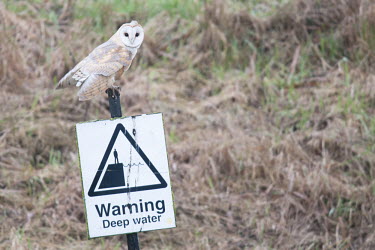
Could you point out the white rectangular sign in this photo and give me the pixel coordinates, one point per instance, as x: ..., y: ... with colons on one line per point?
x: 125, y: 175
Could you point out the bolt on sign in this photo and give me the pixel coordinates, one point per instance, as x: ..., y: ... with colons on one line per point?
x: 125, y: 175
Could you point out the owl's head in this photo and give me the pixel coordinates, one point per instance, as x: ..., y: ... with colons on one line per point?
x: 131, y: 34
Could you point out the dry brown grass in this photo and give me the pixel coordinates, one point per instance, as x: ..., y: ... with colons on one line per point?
x: 270, y: 144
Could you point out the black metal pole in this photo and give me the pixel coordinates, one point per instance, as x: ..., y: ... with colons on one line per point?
x: 115, y: 109
x: 114, y: 103
x: 133, y: 243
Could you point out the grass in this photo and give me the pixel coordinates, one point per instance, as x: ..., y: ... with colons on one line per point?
x: 99, y: 10
x: 268, y: 111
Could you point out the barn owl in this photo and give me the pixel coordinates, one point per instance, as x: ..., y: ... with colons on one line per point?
x: 106, y: 63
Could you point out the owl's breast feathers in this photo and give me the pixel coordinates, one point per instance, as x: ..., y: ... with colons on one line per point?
x: 109, y: 59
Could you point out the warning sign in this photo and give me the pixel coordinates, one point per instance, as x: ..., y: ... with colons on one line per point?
x: 111, y: 176
x: 125, y: 175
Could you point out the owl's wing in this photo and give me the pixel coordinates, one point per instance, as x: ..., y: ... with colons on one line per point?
x: 105, y: 60
x: 68, y: 79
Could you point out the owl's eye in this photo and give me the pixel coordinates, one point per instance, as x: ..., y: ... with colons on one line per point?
x: 126, y: 34
x: 136, y: 34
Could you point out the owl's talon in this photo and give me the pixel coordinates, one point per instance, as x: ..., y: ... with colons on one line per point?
x: 118, y: 88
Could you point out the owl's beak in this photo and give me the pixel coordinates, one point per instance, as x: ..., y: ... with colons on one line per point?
x: 132, y: 40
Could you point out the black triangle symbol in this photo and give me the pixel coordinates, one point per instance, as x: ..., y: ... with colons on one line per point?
x: 92, y: 191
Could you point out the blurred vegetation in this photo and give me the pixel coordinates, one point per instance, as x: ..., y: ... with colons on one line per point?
x: 268, y: 107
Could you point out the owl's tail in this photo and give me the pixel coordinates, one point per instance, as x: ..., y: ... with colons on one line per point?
x: 66, y: 81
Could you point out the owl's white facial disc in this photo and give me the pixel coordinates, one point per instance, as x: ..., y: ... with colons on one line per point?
x: 131, y: 34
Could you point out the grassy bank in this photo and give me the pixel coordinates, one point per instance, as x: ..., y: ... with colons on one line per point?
x: 268, y: 108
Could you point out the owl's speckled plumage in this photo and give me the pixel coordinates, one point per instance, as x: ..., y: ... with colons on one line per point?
x: 106, y: 63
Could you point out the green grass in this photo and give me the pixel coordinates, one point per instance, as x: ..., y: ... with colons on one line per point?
x: 344, y: 207
x: 173, y: 137
x: 367, y: 33
x: 54, y: 157
x: 99, y: 11
x: 20, y: 7
x: 331, y: 48
x: 258, y: 8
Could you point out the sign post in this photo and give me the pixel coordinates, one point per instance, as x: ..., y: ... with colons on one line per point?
x: 125, y: 174
x: 114, y: 103
x: 115, y: 110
